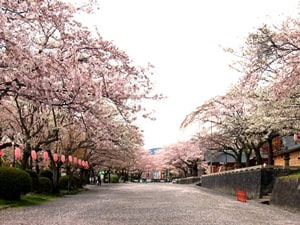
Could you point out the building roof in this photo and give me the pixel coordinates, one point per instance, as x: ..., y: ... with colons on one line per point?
x: 222, y: 157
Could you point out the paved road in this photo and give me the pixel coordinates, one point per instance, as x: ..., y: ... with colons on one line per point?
x: 149, y: 204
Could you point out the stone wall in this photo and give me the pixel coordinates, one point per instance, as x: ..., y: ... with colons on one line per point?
x: 228, y: 183
x: 257, y: 180
x: 188, y: 180
x: 286, y: 193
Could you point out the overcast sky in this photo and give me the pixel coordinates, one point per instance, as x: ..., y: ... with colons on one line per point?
x: 184, y: 40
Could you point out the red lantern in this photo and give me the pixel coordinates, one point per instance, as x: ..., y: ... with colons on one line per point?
x: 75, y: 160
x: 46, y: 156
x: 79, y: 162
x: 62, y: 158
x: 55, y: 157
x: 1, y: 152
x: 70, y: 159
x: 295, y: 137
x: 33, y: 155
x: 87, y: 164
x: 83, y: 163
x: 18, y: 153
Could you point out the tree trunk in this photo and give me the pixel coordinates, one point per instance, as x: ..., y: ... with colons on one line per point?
x: 37, y: 168
x: 248, y: 153
x: 183, y: 170
x: 238, y: 163
x: 194, y: 169
x: 70, y: 176
x: 25, y: 158
x: 55, y: 171
x: 270, y: 153
x: 258, y: 156
x: 247, y: 160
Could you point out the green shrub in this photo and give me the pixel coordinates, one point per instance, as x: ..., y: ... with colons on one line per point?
x: 293, y: 175
x: 46, y: 173
x: 63, y: 182
x: 76, y: 181
x: 4, y: 164
x: 35, y: 179
x: 14, y: 182
x: 83, y: 180
x: 114, y: 178
x: 45, y: 185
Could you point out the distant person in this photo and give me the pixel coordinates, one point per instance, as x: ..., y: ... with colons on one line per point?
x: 98, y: 180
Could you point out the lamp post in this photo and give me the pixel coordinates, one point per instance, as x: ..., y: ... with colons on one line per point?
x: 210, y: 165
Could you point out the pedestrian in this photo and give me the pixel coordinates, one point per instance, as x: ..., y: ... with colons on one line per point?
x: 98, y: 180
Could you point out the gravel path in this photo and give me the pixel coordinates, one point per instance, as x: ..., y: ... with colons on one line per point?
x: 149, y: 204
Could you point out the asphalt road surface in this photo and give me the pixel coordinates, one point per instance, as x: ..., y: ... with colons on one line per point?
x: 149, y: 204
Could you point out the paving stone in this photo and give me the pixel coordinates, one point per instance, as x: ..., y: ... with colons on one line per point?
x: 149, y: 204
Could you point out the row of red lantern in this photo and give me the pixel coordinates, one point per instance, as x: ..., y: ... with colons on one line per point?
x: 55, y: 156
x: 74, y: 160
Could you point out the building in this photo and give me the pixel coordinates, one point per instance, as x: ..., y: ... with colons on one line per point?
x: 288, y: 154
x: 221, y: 161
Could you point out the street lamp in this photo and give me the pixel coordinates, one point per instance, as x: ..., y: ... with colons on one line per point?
x: 211, y: 162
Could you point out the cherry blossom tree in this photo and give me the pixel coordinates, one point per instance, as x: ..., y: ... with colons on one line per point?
x: 271, y: 56
x: 28, y: 125
x: 117, y: 149
x: 49, y: 57
x: 183, y: 156
x: 270, y: 63
x: 143, y: 162
x: 264, y: 104
x: 52, y: 65
x: 223, y: 121
x: 243, y: 120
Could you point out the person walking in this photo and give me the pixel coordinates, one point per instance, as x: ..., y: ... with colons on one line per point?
x: 99, y: 179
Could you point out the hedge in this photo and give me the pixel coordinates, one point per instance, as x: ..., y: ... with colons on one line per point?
x: 14, y: 182
x: 63, y: 182
x: 35, y: 179
x: 114, y: 178
x: 46, y: 173
x: 45, y: 185
x: 75, y: 182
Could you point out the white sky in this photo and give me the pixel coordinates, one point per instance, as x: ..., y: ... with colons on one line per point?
x: 183, y: 39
